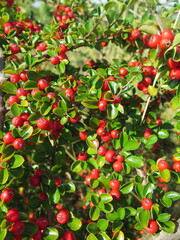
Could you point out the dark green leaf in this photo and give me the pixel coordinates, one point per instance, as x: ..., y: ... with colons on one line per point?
x: 8, y: 87
x: 134, y: 161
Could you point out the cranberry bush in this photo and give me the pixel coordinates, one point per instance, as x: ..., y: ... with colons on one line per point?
x: 89, y: 150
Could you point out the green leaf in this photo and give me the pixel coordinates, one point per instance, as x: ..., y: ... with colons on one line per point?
x: 121, y: 213
x: 15, y: 109
x: 166, y: 201
x: 131, y: 145
x: 45, y: 108
x: 139, y: 190
x: 4, y: 175
x: 92, y: 228
x: 110, y: 5
x: 94, y: 213
x: 103, y: 236
x: 134, y: 161
x: 127, y: 188
x: 117, y: 225
x: 175, y: 103
x: 103, y: 224
x: 176, y: 40
x: 28, y: 59
x: 62, y: 67
x: 74, y: 224
x: 163, y: 133
x: 112, y: 111
x: 30, y: 228
x: 8, y: 87
x: 16, y: 161
x: 119, y: 236
x: 91, y: 237
x: 166, y: 175
x: 29, y: 85
x: 50, y: 233
x: 69, y: 187
x: 152, y: 91
x: 7, y: 153
x: 34, y: 202
x: 164, y: 217
x: 149, y: 188
x: 91, y: 104
x: 26, y: 132
x: 105, y: 182
x: 152, y: 139
x: 105, y: 198
x: 149, y: 29
x: 3, y: 233
x: 173, y: 195
x: 144, y: 216
x: 168, y: 227
x: 112, y: 216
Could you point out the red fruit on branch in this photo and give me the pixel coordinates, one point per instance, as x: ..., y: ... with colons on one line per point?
x: 152, y: 227
x: 62, y: 216
x: 19, y: 144
x: 147, y: 203
x: 18, y: 228
x: 7, y: 195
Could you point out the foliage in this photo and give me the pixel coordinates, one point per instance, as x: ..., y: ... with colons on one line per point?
x: 84, y: 141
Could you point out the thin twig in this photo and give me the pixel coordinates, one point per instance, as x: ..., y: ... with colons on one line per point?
x: 95, y: 26
x: 2, y: 79
x: 177, y: 18
x: 70, y: 155
x: 149, y: 98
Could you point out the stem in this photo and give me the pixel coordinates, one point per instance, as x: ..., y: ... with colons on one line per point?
x: 158, y: 21
x: 136, y: 197
x: 2, y: 79
x: 70, y: 155
x: 149, y: 98
x: 177, y: 18
x: 95, y: 25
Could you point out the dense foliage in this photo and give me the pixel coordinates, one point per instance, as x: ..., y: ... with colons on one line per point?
x: 89, y: 149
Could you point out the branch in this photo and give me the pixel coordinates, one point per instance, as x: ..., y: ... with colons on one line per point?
x: 149, y: 98
x: 165, y: 236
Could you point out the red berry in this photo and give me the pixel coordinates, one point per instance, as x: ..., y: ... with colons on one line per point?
x: 21, y: 92
x: 100, y: 131
x: 83, y: 135
x: 114, y: 134
x: 42, y: 196
x: 34, y: 181
x: 102, y: 150
x: 82, y: 156
x: 175, y: 74
x: 165, y: 43
x: 90, y: 63
x: 162, y: 165
x: 42, y: 223
x: 15, y: 78
x: 69, y: 235
x: 69, y: 93
x: 23, y: 76
x: 172, y: 64
x: 19, y: 143
x: 147, y: 133
x: 43, y: 84
x: 123, y: 71
x: 119, y: 158
x: 167, y: 34
x: 176, y: 166
x: 117, y: 166
x: 102, y: 105
x: 63, y: 48
x: 8, y: 138
x: 17, y: 121
x: 55, y: 60
x: 17, y: 228
x: 95, y: 173
x: 147, y: 203
x: 115, y: 194
x: 12, y: 215
x: 88, y: 179
x: 51, y: 95
x: 42, y: 47
x: 14, y: 48
x: 110, y: 156
x: 101, y: 191
x: 115, y: 184
x: 106, y: 137
x: 154, y: 41
x: 42, y: 123
x: 135, y: 33
x: 147, y: 81
x: 12, y: 100
x: 152, y: 227
x: 75, y: 119
x: 63, y: 216
x: 37, y: 235
x: 7, y: 195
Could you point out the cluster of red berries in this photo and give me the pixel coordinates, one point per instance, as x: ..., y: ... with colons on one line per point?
x: 63, y: 15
